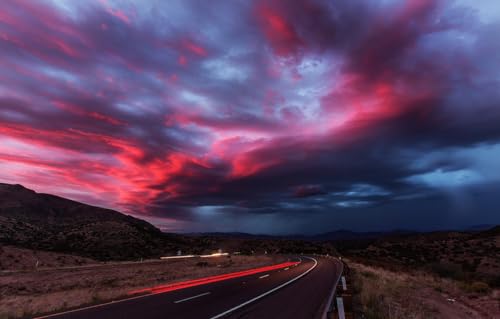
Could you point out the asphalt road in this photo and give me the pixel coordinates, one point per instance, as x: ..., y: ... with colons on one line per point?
x: 300, y: 291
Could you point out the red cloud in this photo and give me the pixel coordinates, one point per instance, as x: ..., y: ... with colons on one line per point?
x: 279, y: 32
x: 194, y: 48
x: 115, y: 13
x: 82, y: 112
x: 182, y: 60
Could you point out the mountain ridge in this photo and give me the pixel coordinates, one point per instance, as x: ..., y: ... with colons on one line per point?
x: 48, y: 222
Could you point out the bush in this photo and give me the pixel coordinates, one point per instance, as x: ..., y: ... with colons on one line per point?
x: 494, y: 281
x: 469, y: 266
x: 477, y: 287
x: 369, y: 274
x: 96, y: 298
x: 375, y: 307
x: 453, y: 271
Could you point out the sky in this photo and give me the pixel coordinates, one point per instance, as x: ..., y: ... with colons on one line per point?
x: 264, y: 116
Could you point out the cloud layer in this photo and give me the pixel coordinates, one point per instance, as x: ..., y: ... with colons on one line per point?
x: 260, y: 116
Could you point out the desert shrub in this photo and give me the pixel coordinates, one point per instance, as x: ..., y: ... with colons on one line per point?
x: 369, y: 274
x: 477, y: 287
x: 95, y: 298
x: 469, y: 266
x: 453, y: 271
x: 438, y: 289
x: 111, y: 282
x: 375, y: 307
x: 494, y: 281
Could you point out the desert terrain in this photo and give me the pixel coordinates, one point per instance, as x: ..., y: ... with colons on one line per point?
x: 63, y: 282
x: 57, y: 254
x: 434, y: 275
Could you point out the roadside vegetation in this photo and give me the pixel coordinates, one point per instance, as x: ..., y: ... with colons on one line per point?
x: 380, y: 293
x: 465, y: 257
x: 433, y: 275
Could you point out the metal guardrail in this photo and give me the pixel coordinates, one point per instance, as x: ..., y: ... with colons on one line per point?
x: 329, y: 305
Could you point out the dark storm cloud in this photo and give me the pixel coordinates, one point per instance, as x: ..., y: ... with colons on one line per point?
x: 244, y: 114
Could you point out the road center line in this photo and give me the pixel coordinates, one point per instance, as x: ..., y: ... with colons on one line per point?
x: 268, y: 292
x: 121, y: 300
x: 264, y: 276
x: 193, y: 297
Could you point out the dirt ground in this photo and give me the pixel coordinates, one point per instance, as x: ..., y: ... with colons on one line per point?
x: 29, y: 292
x: 15, y: 259
x: 388, y: 294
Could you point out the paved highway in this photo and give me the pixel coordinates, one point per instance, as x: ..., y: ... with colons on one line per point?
x: 300, y: 291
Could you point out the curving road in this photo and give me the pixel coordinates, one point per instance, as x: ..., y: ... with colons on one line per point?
x: 301, y: 291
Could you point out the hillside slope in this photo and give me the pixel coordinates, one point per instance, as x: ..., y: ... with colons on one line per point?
x: 46, y: 222
x: 466, y: 256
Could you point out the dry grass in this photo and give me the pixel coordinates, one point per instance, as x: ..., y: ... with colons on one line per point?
x: 15, y: 258
x: 23, y: 294
x: 460, y: 256
x: 381, y: 293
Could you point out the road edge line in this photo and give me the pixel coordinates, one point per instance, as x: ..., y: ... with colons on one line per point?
x: 193, y: 297
x: 108, y: 303
x: 332, y: 293
x: 93, y: 306
x: 267, y: 292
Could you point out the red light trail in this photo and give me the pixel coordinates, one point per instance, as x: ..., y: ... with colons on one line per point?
x: 211, y: 279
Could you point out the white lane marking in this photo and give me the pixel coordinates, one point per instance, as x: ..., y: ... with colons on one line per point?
x: 267, y: 292
x: 264, y: 276
x: 95, y: 306
x: 286, y: 268
x: 340, y: 307
x: 193, y: 297
x: 91, y: 307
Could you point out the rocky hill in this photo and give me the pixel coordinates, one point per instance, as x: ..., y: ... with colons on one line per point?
x: 46, y: 222
x: 464, y: 256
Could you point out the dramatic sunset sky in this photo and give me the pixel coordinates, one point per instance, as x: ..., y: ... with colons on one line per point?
x: 298, y: 116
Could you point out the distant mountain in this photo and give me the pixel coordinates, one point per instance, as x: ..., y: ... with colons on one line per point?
x: 493, y: 231
x: 330, y: 236
x: 351, y: 235
x: 234, y: 235
x: 480, y: 227
x: 46, y: 222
